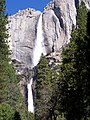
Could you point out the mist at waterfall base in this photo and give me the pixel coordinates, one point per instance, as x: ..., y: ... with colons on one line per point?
x: 38, y: 50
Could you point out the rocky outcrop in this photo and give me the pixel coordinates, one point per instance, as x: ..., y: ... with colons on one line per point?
x: 58, y: 18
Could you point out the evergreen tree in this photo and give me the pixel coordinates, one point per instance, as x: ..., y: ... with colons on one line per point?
x: 43, y: 90
x: 6, y: 112
x: 46, y: 101
x: 4, y: 52
x: 74, y: 84
x: 54, y: 108
x: 9, y: 91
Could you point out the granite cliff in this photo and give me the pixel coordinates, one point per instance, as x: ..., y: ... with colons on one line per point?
x: 57, y: 20
x: 58, y: 17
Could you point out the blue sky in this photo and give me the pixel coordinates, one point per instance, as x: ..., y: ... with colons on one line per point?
x: 12, y: 6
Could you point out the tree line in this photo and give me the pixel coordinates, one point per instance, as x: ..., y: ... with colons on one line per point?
x: 12, y: 106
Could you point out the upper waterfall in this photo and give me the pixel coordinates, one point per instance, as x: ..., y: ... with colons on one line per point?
x: 38, y: 48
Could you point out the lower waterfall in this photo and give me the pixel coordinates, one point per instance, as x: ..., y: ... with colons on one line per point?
x: 30, y: 97
x: 38, y: 50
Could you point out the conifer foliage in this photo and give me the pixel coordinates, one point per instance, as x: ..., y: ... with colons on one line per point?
x: 4, y: 52
x: 46, y: 91
x: 12, y: 105
x: 75, y: 71
x: 43, y: 90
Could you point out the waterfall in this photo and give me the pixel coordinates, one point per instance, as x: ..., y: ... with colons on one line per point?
x: 30, y: 97
x: 38, y: 50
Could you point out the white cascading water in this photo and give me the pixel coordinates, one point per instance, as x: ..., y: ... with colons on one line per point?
x: 30, y: 97
x: 38, y: 50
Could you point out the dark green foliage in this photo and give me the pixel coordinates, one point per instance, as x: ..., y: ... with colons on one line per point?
x: 9, y: 91
x: 30, y: 116
x: 88, y: 23
x: 68, y: 82
x: 17, y: 116
x: 75, y: 76
x: 82, y: 18
x: 43, y: 90
x: 6, y: 112
x: 53, y: 111
x: 46, y: 101
x: 4, y: 52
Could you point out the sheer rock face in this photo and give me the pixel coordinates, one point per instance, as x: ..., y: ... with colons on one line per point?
x: 22, y: 31
x: 58, y: 18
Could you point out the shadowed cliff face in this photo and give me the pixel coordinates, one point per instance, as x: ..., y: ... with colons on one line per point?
x: 22, y: 31
x: 58, y: 18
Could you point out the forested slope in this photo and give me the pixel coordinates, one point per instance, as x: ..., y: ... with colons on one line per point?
x: 12, y: 106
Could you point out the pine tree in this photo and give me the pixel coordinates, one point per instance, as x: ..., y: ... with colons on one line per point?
x: 9, y: 90
x: 54, y: 108
x: 68, y: 79
x: 43, y: 90
x: 4, y: 51
x: 74, y: 85
x: 46, y: 101
x: 6, y: 112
